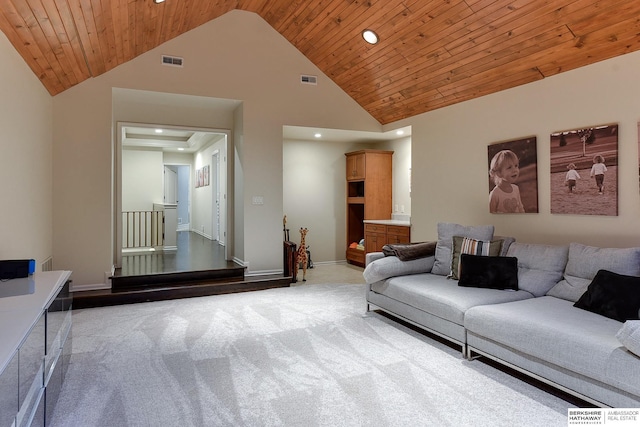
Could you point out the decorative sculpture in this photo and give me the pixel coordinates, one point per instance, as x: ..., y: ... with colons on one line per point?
x: 302, y: 255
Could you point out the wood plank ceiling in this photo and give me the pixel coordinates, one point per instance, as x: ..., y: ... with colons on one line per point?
x: 432, y: 53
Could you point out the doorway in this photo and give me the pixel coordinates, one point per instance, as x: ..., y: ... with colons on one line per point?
x: 177, y: 190
x: 215, y: 196
x: 159, y: 164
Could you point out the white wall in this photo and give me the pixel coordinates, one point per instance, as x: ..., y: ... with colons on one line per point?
x: 449, y: 154
x: 202, y: 212
x: 26, y: 168
x: 314, y: 196
x: 314, y: 191
x: 237, y: 56
x: 401, y: 172
x: 142, y: 177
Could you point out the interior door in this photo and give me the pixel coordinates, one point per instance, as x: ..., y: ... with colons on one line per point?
x: 170, y: 186
x: 215, y: 165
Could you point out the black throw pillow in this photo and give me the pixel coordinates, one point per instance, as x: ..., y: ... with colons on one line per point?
x: 493, y: 272
x: 613, y: 295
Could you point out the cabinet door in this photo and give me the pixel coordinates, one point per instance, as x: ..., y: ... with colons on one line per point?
x: 398, y: 234
x: 356, y: 167
x: 373, y: 242
x: 375, y: 237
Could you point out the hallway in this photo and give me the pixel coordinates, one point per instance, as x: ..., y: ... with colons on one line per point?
x: 194, y: 253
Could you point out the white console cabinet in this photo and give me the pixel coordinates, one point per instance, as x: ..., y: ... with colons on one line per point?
x: 35, y: 346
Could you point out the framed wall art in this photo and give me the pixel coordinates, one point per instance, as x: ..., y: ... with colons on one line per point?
x: 584, y: 171
x: 202, y: 176
x: 513, y: 176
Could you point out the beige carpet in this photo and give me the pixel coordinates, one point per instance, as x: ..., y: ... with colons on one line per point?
x: 306, y: 355
x: 332, y: 273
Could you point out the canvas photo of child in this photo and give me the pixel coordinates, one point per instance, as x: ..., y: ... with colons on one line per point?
x: 584, y: 165
x: 513, y: 176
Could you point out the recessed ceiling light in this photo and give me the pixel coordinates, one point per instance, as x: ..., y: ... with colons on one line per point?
x: 370, y: 36
x: 158, y: 1
x: 318, y: 135
x: 400, y: 132
x: 158, y: 130
x: 180, y: 149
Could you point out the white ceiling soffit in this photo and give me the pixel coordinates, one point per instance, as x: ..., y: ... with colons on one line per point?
x: 182, y: 140
x: 300, y: 133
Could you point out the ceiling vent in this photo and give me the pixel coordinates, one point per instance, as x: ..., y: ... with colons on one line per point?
x: 308, y: 80
x: 173, y: 61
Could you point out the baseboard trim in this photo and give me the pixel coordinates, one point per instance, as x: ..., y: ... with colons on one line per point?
x: 264, y: 273
x: 337, y: 262
x: 202, y: 234
x: 88, y: 287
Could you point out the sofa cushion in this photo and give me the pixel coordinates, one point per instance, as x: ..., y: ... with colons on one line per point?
x: 391, y: 266
x: 446, y: 231
x: 540, y: 267
x: 492, y: 272
x: 612, y: 295
x: 585, y: 261
x: 629, y: 336
x: 440, y: 296
x: 552, y: 330
x: 465, y: 245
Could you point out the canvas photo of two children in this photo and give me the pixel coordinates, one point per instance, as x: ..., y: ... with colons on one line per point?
x: 584, y: 171
x: 583, y: 163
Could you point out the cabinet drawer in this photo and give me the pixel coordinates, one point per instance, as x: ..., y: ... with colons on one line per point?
x: 394, y: 239
x: 375, y: 228
x: 398, y: 230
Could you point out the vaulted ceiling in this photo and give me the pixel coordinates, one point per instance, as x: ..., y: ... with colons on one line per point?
x: 432, y: 53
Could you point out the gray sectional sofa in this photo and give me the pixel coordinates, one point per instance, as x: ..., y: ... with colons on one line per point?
x: 535, y: 329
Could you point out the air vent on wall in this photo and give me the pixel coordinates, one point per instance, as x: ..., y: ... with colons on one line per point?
x: 308, y: 80
x: 174, y: 61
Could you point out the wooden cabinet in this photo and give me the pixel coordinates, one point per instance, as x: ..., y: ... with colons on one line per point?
x: 378, y: 235
x: 398, y: 234
x: 355, y: 166
x: 369, y: 195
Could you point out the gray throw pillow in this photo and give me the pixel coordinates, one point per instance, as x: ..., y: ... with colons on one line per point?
x: 584, y: 263
x: 540, y: 267
x: 446, y: 231
x: 629, y: 336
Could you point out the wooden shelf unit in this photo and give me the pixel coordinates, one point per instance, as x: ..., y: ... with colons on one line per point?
x: 369, y: 195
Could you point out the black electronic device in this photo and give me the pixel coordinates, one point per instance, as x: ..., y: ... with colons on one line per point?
x: 17, y: 268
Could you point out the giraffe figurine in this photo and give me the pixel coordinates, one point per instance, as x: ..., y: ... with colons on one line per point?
x: 302, y: 255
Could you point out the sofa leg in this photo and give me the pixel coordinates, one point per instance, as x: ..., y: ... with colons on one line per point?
x: 367, y: 311
x: 469, y: 356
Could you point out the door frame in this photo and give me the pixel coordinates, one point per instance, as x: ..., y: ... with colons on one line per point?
x: 117, y: 187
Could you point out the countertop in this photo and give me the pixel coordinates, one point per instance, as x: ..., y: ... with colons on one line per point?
x: 388, y: 222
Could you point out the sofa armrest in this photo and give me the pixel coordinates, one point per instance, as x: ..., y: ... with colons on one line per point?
x: 372, y: 256
x: 390, y: 266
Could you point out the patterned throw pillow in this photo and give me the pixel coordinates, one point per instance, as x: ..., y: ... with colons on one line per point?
x: 446, y: 231
x: 466, y: 245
